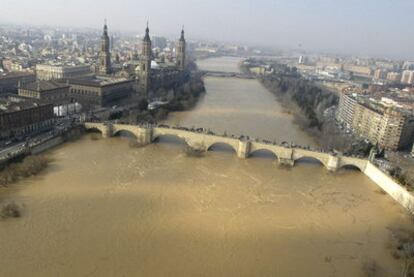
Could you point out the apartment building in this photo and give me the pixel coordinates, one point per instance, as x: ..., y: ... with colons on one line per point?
x: 389, y: 126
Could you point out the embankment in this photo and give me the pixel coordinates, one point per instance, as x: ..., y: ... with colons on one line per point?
x: 390, y: 186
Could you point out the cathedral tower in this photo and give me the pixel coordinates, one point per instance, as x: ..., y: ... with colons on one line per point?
x: 181, y: 52
x: 145, y: 65
x: 104, y: 54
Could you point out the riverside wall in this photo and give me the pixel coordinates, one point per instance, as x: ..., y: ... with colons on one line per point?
x: 53, y: 142
x: 390, y: 186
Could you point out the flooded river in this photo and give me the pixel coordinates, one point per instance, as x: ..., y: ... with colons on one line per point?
x: 105, y: 209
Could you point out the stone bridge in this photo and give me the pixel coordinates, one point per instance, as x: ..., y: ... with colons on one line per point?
x: 243, y: 148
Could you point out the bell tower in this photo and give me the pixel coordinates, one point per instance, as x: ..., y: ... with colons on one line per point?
x: 104, y: 54
x: 145, y: 64
x: 181, y: 52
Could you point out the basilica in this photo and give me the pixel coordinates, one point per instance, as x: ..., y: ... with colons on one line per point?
x: 147, y: 74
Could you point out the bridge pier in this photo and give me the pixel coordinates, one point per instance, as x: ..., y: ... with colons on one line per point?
x: 243, y: 150
x: 333, y: 163
x: 199, y: 146
x: 286, y: 157
x: 286, y: 162
x: 107, y: 131
x: 145, y: 136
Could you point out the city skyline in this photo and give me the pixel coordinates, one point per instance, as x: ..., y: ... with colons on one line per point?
x: 355, y: 28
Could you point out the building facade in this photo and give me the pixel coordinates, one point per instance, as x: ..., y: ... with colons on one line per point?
x: 389, y: 127
x: 346, y: 109
x: 408, y: 77
x: 20, y: 117
x: 394, y: 77
x: 46, y: 92
x: 396, y: 129
x: 9, y: 82
x: 99, y: 91
x: 46, y: 72
x: 380, y: 74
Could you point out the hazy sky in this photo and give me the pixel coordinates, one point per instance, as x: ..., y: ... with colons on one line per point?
x: 364, y: 27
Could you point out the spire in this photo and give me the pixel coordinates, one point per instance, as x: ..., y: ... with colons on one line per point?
x: 180, y: 61
x: 147, y: 36
x: 105, y: 27
x: 182, y: 34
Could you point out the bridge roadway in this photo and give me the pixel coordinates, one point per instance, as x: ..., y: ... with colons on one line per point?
x: 243, y: 148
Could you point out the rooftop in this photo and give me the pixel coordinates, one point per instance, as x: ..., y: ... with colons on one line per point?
x: 43, y: 86
x: 98, y: 81
x: 12, y: 103
x: 380, y: 101
x: 15, y: 75
x: 61, y: 64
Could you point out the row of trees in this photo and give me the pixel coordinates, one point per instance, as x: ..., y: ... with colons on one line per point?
x: 312, y: 100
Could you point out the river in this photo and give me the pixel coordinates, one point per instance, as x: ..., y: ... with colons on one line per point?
x: 105, y: 209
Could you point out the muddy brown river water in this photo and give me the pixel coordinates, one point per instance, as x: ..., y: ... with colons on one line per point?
x: 105, y: 209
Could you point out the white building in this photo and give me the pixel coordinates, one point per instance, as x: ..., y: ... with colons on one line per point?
x: 408, y: 77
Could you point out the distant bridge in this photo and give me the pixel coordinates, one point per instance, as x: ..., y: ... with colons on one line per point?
x: 243, y: 148
x: 224, y: 74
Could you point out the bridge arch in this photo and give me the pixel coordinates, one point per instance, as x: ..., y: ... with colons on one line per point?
x: 351, y: 166
x: 222, y: 145
x: 171, y: 138
x: 94, y: 130
x: 125, y: 133
x: 263, y: 153
x: 309, y: 160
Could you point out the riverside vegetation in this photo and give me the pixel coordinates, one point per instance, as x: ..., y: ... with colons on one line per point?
x: 30, y: 166
x: 10, y: 210
x: 12, y: 173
